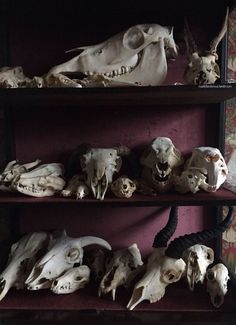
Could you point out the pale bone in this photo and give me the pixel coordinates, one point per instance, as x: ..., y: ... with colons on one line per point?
x: 160, y: 160
x: 56, y: 80
x: 128, y: 56
x: 192, y: 180
x: 197, y: 258
x: 121, y: 266
x: 12, y: 170
x: 62, y: 256
x: 76, y: 187
x: 96, y: 260
x: 161, y: 271
x: 202, y: 68
x: 13, y: 77
x: 217, y: 279
x: 100, y: 164
x: 210, y: 162
x: 123, y: 187
x: 21, y: 260
x: 72, y: 280
x: 44, y: 180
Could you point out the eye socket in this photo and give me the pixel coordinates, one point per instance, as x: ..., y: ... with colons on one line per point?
x: 210, y: 276
x: 170, y: 276
x: 99, y: 52
x: 190, y: 176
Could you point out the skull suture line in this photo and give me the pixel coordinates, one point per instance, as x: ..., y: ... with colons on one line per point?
x: 137, y: 55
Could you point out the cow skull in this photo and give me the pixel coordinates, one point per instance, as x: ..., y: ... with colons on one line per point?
x: 202, y: 68
x: 127, y: 57
x: 72, y: 280
x: 21, y: 259
x: 217, y: 278
x: 63, y: 255
x: 160, y: 162
x: 119, y: 269
x: 123, y: 187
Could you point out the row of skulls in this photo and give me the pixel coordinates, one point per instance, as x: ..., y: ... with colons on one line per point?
x: 163, y: 169
x: 41, y: 260
x: 137, y: 56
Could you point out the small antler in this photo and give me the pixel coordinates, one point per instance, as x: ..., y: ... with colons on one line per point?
x: 189, y: 40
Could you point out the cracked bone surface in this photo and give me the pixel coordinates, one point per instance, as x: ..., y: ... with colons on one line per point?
x: 119, y: 269
x: 62, y: 256
x: 160, y: 162
x: 123, y: 187
x: 137, y: 55
x: 202, y: 68
x: 45, y: 180
x: 72, y: 280
x: 197, y: 258
x: 100, y: 164
x: 21, y: 259
x: 210, y: 162
x: 217, y: 279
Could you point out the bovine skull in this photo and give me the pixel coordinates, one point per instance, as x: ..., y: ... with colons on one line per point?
x: 160, y: 161
x: 137, y: 55
x: 210, y: 162
x: 202, y: 68
x: 72, y: 280
x: 217, y: 278
x: 76, y: 187
x: 63, y: 255
x: 119, y: 269
x: 123, y: 187
x: 197, y: 258
x: 44, y: 180
x: 100, y: 164
x: 21, y: 259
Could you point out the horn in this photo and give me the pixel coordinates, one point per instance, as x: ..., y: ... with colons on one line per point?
x: 215, y: 42
x: 180, y: 244
x: 164, y: 234
x: 191, y: 46
x: 122, y: 150
x: 91, y: 240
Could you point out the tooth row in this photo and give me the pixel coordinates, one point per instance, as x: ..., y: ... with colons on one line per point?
x: 113, y: 73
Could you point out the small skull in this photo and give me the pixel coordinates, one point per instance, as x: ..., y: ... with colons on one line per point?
x: 123, y: 187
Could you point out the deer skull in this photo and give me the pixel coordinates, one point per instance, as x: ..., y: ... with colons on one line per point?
x: 123, y: 187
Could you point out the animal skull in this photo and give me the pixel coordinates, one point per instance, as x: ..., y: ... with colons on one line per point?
x: 198, y: 258
x: 119, y: 269
x: 100, y: 164
x: 210, y: 162
x: 217, y: 278
x: 202, y: 68
x: 21, y: 259
x: 77, y: 187
x: 127, y: 57
x: 44, y: 180
x: 123, y: 187
x: 160, y: 161
x: 63, y: 255
x: 72, y: 280
x: 13, y: 77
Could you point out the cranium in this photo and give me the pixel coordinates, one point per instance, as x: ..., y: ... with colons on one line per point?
x: 120, y: 267
x: 44, y: 180
x: 210, y: 162
x: 128, y: 56
x: 12, y: 170
x: 12, y: 77
x: 160, y: 161
x: 21, y: 259
x: 123, y: 187
x: 76, y: 187
x: 202, y: 68
x: 63, y: 255
x: 72, y: 280
x: 217, y: 278
x: 100, y: 164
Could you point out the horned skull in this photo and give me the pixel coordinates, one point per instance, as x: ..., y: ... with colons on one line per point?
x: 123, y: 187
x: 62, y: 256
x: 72, y: 280
x: 217, y: 278
x: 160, y: 162
x: 127, y: 57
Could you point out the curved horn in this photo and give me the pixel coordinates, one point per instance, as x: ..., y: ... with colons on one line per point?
x: 215, y: 42
x: 180, y: 244
x: 164, y: 234
x: 191, y: 46
x: 122, y: 150
x: 91, y: 240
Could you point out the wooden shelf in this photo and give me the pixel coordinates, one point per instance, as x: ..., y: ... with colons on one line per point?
x: 220, y: 197
x: 123, y: 96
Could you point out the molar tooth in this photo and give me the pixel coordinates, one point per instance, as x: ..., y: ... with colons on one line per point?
x: 107, y: 74
x: 90, y: 73
x: 119, y: 71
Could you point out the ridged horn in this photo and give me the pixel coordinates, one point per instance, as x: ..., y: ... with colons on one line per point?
x: 180, y: 244
x: 91, y: 240
x: 162, y: 237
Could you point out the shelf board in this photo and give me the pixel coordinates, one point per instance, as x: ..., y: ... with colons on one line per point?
x: 220, y: 197
x: 122, y: 96
x: 87, y: 299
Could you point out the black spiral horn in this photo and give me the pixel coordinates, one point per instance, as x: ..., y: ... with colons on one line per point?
x: 162, y: 237
x: 180, y: 244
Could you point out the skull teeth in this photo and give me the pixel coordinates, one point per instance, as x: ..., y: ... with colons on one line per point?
x: 114, y: 73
